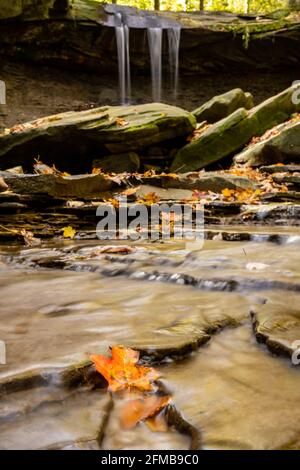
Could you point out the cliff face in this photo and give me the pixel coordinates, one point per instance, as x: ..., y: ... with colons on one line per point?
x: 82, y: 37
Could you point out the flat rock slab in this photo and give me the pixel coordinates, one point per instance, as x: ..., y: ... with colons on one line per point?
x: 277, y: 324
x: 68, y: 137
x: 51, y: 418
x: 238, y: 395
x: 288, y: 179
x: 209, y: 181
x: 280, y: 169
x: 167, y: 194
x: 81, y: 186
x: 77, y: 314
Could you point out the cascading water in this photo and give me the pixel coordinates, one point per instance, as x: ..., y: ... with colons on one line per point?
x: 155, y: 36
x: 174, y: 35
x: 122, y: 36
x: 155, y: 41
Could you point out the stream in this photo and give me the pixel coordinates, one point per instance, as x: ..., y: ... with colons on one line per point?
x: 219, y: 323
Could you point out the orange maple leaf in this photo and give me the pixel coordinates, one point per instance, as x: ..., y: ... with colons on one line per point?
x: 122, y: 371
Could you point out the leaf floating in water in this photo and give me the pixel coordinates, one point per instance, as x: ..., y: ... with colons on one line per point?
x: 122, y: 371
x: 145, y: 408
x: 68, y: 232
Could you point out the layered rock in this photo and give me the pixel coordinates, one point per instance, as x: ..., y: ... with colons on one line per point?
x: 230, y: 134
x: 283, y: 147
x: 76, y: 138
x: 278, y: 326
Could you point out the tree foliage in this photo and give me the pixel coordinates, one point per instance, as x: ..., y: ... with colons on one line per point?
x: 251, y: 6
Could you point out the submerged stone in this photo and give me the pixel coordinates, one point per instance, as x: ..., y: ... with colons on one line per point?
x: 238, y: 395
x: 277, y: 324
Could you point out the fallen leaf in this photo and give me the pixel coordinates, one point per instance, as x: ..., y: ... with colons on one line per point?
x: 143, y: 408
x: 122, y: 371
x: 68, y: 232
x: 227, y: 192
x: 96, y: 171
x: 130, y: 191
x: 121, y: 122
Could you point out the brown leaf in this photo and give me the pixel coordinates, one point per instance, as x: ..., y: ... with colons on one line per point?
x: 143, y: 408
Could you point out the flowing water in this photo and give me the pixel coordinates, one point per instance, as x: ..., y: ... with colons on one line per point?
x: 187, y: 311
x: 122, y: 37
x: 174, y: 47
x: 155, y: 36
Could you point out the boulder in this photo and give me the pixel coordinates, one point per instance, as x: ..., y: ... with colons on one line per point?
x: 75, y: 139
x: 223, y: 105
x: 233, y: 132
x: 124, y: 162
x: 84, y: 186
x: 280, y: 148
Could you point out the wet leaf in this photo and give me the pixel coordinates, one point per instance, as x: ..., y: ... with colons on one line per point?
x: 122, y: 371
x: 145, y: 408
x: 68, y: 232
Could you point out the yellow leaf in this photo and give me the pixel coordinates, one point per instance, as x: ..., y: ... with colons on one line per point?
x: 227, y: 192
x: 69, y: 232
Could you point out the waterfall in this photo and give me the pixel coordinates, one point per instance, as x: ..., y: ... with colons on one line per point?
x: 155, y: 45
x: 155, y: 41
x: 174, y: 44
x: 122, y: 36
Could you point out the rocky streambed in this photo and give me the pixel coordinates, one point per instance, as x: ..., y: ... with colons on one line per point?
x: 220, y: 319
x: 220, y: 323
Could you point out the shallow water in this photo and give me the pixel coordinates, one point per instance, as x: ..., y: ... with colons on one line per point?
x: 63, y: 301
